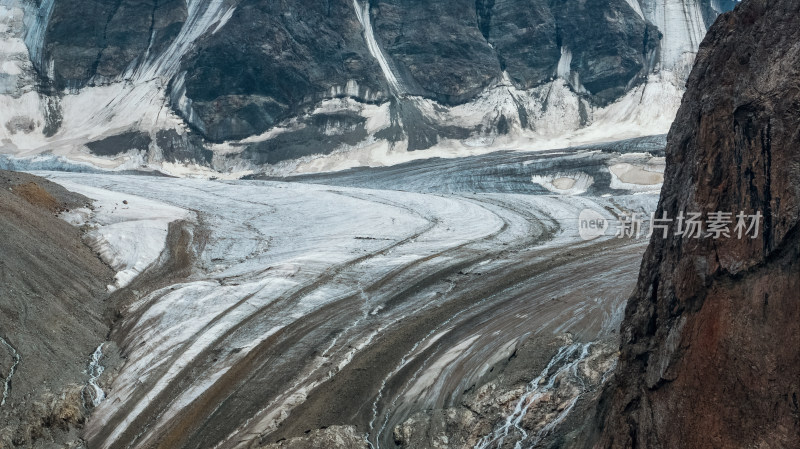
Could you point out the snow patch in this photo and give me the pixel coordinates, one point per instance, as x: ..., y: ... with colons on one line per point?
x: 129, y: 232
x: 565, y: 63
x: 565, y: 183
x: 363, y: 15
x: 625, y: 176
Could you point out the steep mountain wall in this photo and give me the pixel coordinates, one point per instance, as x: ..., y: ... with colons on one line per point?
x: 232, y: 85
x: 711, y: 339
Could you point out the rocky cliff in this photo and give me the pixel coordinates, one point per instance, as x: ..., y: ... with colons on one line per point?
x: 710, y: 350
x: 231, y: 85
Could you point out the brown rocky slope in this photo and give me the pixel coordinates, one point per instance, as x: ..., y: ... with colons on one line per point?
x: 52, y: 288
x: 710, y: 352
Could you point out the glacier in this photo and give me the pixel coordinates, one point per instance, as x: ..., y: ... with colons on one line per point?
x: 322, y: 267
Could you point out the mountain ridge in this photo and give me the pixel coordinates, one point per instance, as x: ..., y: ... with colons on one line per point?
x: 229, y: 87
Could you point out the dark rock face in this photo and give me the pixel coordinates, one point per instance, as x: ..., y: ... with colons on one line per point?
x: 310, y: 139
x: 272, y: 60
x: 452, y: 50
x: 101, y: 38
x: 447, y: 51
x: 182, y: 148
x: 611, y: 45
x: 525, y: 38
x: 421, y: 132
x: 711, y: 338
x: 176, y: 148
x: 120, y: 143
x: 234, y: 69
x: 437, y: 46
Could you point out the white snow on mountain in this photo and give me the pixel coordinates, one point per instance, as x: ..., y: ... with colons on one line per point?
x: 557, y: 114
x: 682, y: 28
x: 364, y: 17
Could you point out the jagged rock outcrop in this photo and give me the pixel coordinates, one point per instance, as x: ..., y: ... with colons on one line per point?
x: 511, y: 409
x: 334, y: 437
x: 710, y: 350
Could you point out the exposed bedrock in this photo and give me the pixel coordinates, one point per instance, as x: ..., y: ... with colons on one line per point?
x: 268, y: 61
x: 711, y: 338
x: 98, y: 40
x: 273, y: 61
x: 232, y: 87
